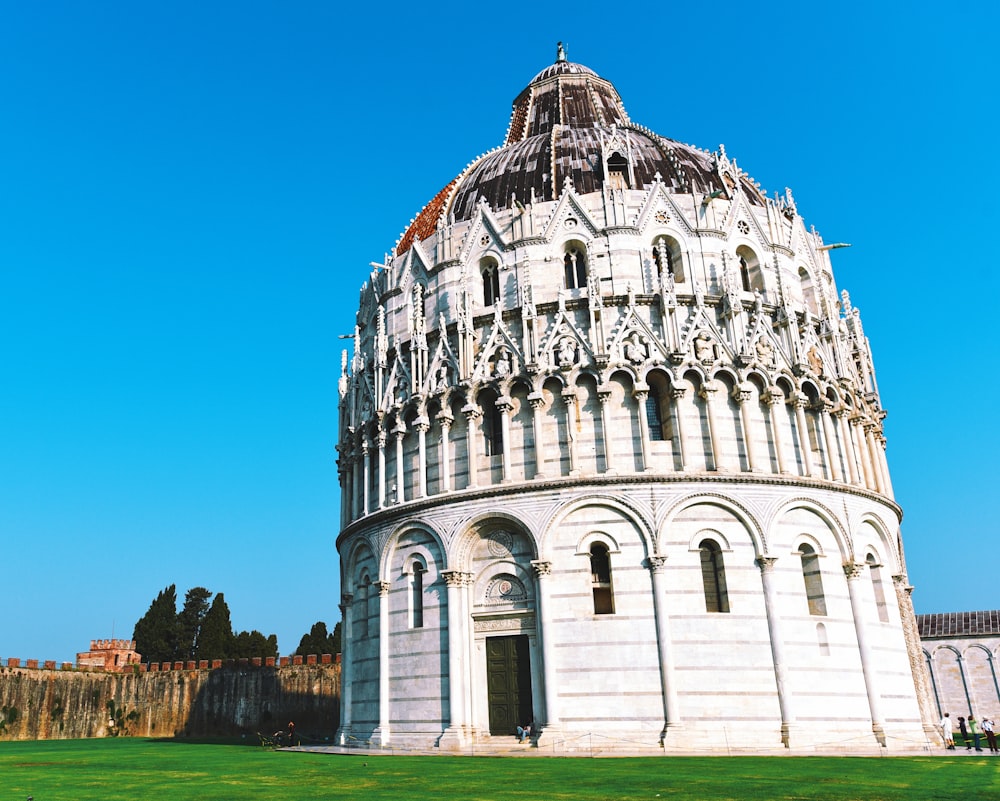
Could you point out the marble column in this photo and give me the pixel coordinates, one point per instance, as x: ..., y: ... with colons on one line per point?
x: 676, y: 396
x: 854, y: 571
x: 454, y: 733
x: 366, y: 457
x: 537, y: 402
x: 847, y: 445
x: 604, y: 396
x: 706, y: 393
x: 382, y: 437
x: 400, y: 432
x: 346, y: 671
x: 873, y: 455
x: 664, y: 644
x: 445, y: 420
x: 774, y: 630
x: 505, y: 405
x: 422, y: 424
x: 641, y: 393
x: 775, y: 400
x: 798, y: 403
x: 857, y: 429
x: 743, y: 396
x: 569, y: 401
x: 922, y: 681
x: 543, y: 572
x: 381, y: 736
x: 472, y: 414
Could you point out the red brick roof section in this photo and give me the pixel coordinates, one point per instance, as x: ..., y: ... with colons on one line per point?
x: 958, y: 624
x: 425, y: 223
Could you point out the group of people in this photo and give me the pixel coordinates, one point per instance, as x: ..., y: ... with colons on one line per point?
x: 970, y: 734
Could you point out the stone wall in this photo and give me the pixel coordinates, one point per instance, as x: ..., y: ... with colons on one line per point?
x: 237, y: 699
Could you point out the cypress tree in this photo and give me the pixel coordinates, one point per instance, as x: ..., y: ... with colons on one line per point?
x: 155, y: 633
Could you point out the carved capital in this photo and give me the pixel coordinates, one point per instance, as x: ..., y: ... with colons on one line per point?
x: 854, y: 570
x: 454, y: 578
x: 472, y: 412
x: 676, y: 393
x: 766, y: 563
x: 774, y: 397
x: 536, y: 400
x: 504, y: 404
x: 383, y: 587
x: 542, y: 567
x: 656, y: 563
x: 445, y: 419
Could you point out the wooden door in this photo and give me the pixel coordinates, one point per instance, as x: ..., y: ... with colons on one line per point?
x: 508, y: 677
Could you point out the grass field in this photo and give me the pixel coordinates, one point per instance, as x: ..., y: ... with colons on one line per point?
x: 107, y: 770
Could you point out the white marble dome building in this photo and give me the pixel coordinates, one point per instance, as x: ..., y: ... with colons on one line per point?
x: 612, y: 460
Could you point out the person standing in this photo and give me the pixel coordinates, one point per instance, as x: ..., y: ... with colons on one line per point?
x: 974, y: 732
x: 946, y: 730
x: 991, y: 737
x: 291, y: 733
x: 965, y: 733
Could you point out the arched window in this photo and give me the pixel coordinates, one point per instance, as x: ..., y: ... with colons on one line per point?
x: 600, y: 579
x: 822, y: 639
x: 490, y: 272
x: 813, y: 580
x: 575, y: 267
x: 713, y: 576
x: 653, y: 416
x: 875, y: 570
x: 751, y: 277
x: 667, y: 255
x: 417, y: 595
x: 492, y: 425
x: 617, y: 171
x: 808, y: 291
x: 361, y: 606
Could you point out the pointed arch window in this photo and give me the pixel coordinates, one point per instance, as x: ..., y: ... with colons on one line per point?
x: 490, y: 272
x: 666, y: 254
x: 575, y: 268
x: 713, y: 577
x: 600, y: 579
x: 875, y: 571
x: 813, y: 580
x: 618, y: 171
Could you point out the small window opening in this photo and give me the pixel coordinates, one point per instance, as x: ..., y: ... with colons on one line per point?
x: 600, y: 579
x: 491, y: 282
x: 713, y: 576
x: 417, y: 596
x: 875, y: 570
x: 575, y: 268
x: 617, y: 171
x: 813, y: 580
x: 653, y: 416
x: 492, y: 429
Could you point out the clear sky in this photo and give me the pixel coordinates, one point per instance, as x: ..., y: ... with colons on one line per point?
x: 191, y: 194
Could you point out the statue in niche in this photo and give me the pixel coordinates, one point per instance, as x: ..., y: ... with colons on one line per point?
x: 635, y: 349
x: 704, y: 349
x: 501, y: 368
x: 765, y: 350
x: 567, y: 351
x: 402, y: 390
x: 442, y: 376
x: 815, y: 361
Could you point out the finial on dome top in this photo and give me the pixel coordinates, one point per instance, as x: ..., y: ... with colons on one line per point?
x: 560, y: 52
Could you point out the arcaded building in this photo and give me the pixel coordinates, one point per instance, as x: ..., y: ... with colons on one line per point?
x: 612, y: 461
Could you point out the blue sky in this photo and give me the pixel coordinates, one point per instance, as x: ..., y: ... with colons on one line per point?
x: 191, y: 193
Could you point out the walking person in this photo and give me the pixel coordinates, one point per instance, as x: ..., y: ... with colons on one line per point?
x: 946, y: 730
x: 965, y: 733
x: 991, y: 737
x: 974, y: 732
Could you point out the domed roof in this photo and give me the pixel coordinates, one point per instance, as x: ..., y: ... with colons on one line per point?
x: 560, y: 127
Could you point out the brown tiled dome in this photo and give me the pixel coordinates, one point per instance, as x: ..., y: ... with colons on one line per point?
x: 554, y: 136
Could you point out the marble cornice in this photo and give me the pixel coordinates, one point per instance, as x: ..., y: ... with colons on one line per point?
x: 396, y: 512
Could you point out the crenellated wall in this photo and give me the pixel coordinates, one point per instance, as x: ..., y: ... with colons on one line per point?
x: 238, y: 698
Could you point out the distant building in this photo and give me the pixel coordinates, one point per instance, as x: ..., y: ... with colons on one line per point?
x: 612, y: 460
x: 961, y: 650
x: 111, y: 655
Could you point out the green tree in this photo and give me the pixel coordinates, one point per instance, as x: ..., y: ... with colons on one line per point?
x: 155, y: 633
x: 189, y: 622
x: 249, y: 644
x: 319, y: 641
x: 215, y: 639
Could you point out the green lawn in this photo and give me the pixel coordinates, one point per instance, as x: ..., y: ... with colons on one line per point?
x: 134, y: 769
